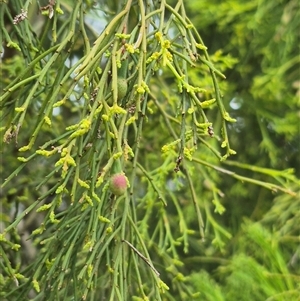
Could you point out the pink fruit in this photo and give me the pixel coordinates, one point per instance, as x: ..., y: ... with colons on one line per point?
x: 118, y: 184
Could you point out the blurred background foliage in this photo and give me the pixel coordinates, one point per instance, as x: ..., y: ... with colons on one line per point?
x: 249, y: 203
x: 263, y: 93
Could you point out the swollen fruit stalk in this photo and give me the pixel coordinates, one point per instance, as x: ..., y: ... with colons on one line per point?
x: 122, y: 87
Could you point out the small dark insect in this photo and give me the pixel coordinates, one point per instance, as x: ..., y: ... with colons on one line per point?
x: 178, y: 162
x: 210, y: 131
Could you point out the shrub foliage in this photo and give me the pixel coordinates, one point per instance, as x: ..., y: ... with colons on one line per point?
x: 129, y: 160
